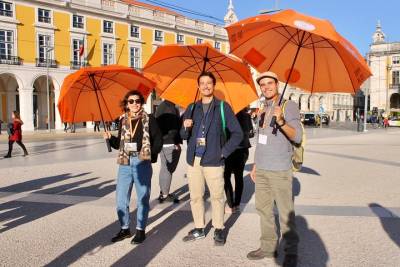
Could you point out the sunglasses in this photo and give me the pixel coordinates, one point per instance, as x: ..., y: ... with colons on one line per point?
x: 136, y: 101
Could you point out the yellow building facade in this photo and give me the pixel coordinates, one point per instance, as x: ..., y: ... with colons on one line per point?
x: 40, y: 39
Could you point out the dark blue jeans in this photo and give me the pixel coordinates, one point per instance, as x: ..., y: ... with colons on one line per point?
x: 139, y: 173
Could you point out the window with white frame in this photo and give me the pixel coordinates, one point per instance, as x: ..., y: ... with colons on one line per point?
x: 108, y: 26
x: 158, y: 36
x: 217, y: 45
x: 135, y: 57
x: 395, y: 60
x: 108, y: 54
x: 135, y: 31
x: 396, y: 77
x: 6, y: 44
x: 180, y: 38
x: 44, y: 15
x: 78, y: 22
x: 77, y: 45
x: 6, y: 9
x: 44, y: 42
x: 199, y: 41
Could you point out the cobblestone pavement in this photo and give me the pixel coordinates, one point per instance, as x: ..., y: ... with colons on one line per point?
x: 57, y: 207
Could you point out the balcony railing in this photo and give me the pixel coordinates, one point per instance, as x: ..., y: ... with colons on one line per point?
x: 6, y: 13
x: 76, y: 65
x: 10, y: 60
x: 394, y: 86
x: 42, y: 62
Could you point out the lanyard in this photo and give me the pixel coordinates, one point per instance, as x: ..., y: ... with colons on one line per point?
x: 267, y: 114
x: 204, y: 119
x: 130, y: 128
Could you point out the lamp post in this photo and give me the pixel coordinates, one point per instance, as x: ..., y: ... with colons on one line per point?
x: 365, y: 107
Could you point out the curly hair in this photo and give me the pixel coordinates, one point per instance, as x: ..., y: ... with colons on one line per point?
x: 124, y: 102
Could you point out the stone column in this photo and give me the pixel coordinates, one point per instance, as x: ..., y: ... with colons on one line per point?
x: 58, y: 123
x: 26, y: 108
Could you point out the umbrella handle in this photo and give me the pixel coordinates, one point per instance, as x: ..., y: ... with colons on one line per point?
x: 108, y: 145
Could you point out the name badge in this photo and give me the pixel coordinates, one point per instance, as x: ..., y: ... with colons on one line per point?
x: 201, y: 141
x: 262, y: 139
x: 130, y: 147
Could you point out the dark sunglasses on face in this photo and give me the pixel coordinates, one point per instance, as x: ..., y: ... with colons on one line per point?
x: 136, y: 101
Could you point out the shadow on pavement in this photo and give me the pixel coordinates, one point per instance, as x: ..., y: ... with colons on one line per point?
x: 20, y: 211
x: 156, y: 238
x: 248, y: 192
x: 311, y: 249
x: 309, y: 171
x: 391, y: 225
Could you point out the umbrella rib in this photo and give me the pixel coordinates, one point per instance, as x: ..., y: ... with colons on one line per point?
x: 167, y: 58
x: 237, y: 72
x: 105, y: 104
x: 314, y: 59
x: 292, y: 41
x: 254, y: 37
x: 348, y: 73
x: 193, y: 56
x: 176, y: 76
x: 76, y: 105
x: 280, y: 50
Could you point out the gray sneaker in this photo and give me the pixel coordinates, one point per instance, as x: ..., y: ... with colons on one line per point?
x: 195, y: 234
x: 260, y: 254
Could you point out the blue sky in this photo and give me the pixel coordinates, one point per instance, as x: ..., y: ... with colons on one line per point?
x: 354, y: 19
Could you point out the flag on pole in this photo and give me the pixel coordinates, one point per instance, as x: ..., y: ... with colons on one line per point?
x: 82, y: 47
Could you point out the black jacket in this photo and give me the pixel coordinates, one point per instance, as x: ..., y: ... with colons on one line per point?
x: 168, y: 119
x: 155, y: 138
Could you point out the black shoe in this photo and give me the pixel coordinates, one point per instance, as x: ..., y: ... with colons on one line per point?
x: 290, y: 261
x: 260, y: 254
x: 172, y: 198
x: 139, y: 237
x: 161, y: 198
x: 122, y: 234
x: 7, y: 156
x: 25, y: 154
x: 196, y: 233
x: 219, y: 237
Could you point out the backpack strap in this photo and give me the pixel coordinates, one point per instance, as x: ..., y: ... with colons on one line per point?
x: 223, y: 118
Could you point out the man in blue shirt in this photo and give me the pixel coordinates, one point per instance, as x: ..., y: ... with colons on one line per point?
x: 207, y: 149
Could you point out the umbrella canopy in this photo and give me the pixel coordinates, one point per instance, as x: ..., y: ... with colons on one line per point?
x: 304, y: 51
x: 95, y: 93
x: 175, y: 69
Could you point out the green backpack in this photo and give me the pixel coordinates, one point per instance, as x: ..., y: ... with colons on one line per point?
x: 298, y: 149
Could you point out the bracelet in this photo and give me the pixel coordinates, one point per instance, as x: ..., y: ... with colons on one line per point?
x: 283, y: 124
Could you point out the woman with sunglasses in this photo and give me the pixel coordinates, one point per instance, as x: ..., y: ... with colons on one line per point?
x: 139, y: 141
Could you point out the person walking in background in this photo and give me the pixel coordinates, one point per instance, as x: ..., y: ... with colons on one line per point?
x: 97, y: 126
x: 139, y: 141
x: 65, y: 126
x: 1, y: 122
x: 236, y: 162
x: 207, y: 149
x: 15, y: 134
x: 272, y: 172
x: 168, y: 119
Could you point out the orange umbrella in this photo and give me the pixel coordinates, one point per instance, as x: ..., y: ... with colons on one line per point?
x: 95, y: 93
x: 304, y: 51
x: 175, y: 69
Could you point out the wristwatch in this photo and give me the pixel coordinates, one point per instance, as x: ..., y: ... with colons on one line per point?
x: 283, y: 124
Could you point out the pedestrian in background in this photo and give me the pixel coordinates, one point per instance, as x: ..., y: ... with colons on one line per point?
x: 168, y: 120
x: 236, y: 162
x: 272, y: 172
x: 15, y: 134
x: 97, y: 126
x: 139, y: 141
x: 207, y: 149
